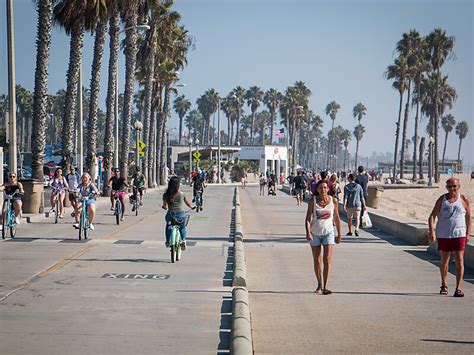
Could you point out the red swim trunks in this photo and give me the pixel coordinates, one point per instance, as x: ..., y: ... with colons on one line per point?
x: 452, y: 244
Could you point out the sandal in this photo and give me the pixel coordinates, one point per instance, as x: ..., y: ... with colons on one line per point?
x: 327, y: 292
x: 443, y: 290
x: 458, y: 293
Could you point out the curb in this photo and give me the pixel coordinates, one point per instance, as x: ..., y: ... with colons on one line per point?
x: 241, y: 339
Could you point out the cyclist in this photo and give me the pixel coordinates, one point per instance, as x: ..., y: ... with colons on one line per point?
x: 86, y: 189
x: 138, y: 183
x: 59, y: 185
x: 173, y: 200
x: 198, y: 185
x: 73, y: 180
x: 119, y: 186
x: 10, y: 188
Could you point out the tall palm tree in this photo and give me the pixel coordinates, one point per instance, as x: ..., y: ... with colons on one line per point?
x: 40, y: 101
x: 359, y: 131
x: 254, y: 96
x: 100, y: 33
x: 181, y: 106
x: 229, y: 111
x: 272, y: 99
x: 114, y: 30
x: 237, y: 95
x: 461, y: 130
x: 331, y: 110
x: 440, y: 47
x: 346, y: 138
x: 399, y: 72
x: 447, y: 122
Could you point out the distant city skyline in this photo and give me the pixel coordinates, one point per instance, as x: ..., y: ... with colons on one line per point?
x: 340, y: 49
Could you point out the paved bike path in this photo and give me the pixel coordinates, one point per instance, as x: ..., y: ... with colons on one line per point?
x: 122, y: 295
x: 385, y: 292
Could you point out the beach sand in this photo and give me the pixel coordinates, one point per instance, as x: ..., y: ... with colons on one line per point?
x: 418, y: 203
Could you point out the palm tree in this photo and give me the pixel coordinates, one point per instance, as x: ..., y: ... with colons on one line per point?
x: 230, y: 112
x: 237, y: 95
x: 440, y: 47
x: 359, y: 131
x: 447, y: 122
x: 399, y: 72
x: 331, y: 110
x: 114, y: 30
x: 346, y: 138
x: 181, y: 106
x: 40, y: 100
x: 100, y: 33
x: 254, y: 96
x: 272, y: 99
x: 461, y: 130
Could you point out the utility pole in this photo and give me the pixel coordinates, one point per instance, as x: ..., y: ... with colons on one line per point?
x: 218, y: 140
x: 12, y: 153
x: 81, y: 127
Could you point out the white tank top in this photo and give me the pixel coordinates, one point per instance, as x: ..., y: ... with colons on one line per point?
x: 322, y: 222
x: 451, y: 219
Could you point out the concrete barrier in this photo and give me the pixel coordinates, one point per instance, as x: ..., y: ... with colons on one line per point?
x: 241, y: 329
x: 240, y: 269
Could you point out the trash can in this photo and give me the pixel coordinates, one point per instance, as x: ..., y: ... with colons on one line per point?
x: 33, y: 196
x: 375, y: 193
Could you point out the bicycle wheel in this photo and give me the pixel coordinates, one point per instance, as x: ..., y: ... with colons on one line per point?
x: 56, y: 210
x: 118, y: 211
x: 4, y: 223
x: 81, y: 225
x: 137, y: 203
x: 12, y: 227
x: 178, y: 246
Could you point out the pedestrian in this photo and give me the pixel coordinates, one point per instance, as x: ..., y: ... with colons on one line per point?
x: 362, y: 179
x: 313, y: 183
x: 321, y: 217
x: 244, y: 180
x: 263, y: 183
x: 335, y: 188
x: 452, y: 232
x: 298, y: 181
x: 353, y: 204
x: 73, y: 180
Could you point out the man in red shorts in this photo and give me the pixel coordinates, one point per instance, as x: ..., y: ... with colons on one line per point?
x: 452, y: 232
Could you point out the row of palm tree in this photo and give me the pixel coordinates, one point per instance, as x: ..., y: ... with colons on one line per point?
x: 153, y: 61
x: 416, y: 72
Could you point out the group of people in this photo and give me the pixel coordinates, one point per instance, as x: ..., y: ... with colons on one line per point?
x: 269, y: 180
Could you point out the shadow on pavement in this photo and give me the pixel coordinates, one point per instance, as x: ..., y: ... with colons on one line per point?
x: 449, y: 341
x: 124, y: 260
x: 226, y: 326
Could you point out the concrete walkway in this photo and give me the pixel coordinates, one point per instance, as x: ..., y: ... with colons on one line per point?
x: 385, y: 292
x: 118, y: 293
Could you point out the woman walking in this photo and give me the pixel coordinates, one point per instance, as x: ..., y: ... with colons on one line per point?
x: 452, y: 232
x: 321, y: 216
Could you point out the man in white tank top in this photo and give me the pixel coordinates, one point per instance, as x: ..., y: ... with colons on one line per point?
x: 452, y: 232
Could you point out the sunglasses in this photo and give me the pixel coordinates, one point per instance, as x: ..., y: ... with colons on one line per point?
x: 451, y: 186
x: 12, y: 176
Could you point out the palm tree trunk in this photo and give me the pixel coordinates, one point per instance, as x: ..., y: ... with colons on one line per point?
x: 101, y: 31
x: 130, y: 63
x: 356, y: 154
x: 110, y: 101
x: 252, y: 128
x: 70, y: 106
x: 147, y: 119
x: 272, y: 119
x: 397, y: 136
x: 330, y: 145
x: 40, y: 101
x: 180, y: 129
x: 445, y: 144
x: 422, y: 154
x: 436, y: 122
x: 404, y: 132
x: 459, y: 153
x: 415, y: 142
x: 237, y: 129
x: 151, y: 146
x: 228, y: 129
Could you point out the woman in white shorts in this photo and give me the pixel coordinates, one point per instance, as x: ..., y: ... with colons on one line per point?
x: 321, y: 217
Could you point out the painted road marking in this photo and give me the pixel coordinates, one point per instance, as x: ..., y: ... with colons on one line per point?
x: 136, y: 276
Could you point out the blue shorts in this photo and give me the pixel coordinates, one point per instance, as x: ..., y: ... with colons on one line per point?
x: 89, y: 202
x: 325, y: 239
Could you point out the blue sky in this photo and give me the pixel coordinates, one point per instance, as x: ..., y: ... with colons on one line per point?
x: 339, y: 48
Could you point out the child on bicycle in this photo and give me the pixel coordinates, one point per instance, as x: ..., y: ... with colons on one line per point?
x: 138, y: 183
x: 10, y: 187
x: 173, y: 200
x: 87, y: 190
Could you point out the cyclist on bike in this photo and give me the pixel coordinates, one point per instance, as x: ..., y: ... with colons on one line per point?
x: 10, y: 187
x: 119, y: 185
x: 198, y: 184
x: 73, y: 180
x: 59, y: 185
x: 173, y: 200
x: 138, y: 183
x: 87, y: 190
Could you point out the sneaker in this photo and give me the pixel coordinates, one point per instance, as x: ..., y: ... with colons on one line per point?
x: 61, y: 216
x: 122, y: 219
x: 112, y: 208
x: 91, y: 227
x: 349, y: 233
x: 51, y: 210
x: 183, y: 245
x: 356, y: 233
x: 141, y: 203
x: 17, y: 220
x: 76, y: 225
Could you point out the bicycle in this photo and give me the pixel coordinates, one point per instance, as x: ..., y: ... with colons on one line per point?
x: 83, y: 217
x: 56, y: 205
x: 176, y: 240
x: 198, y: 201
x: 136, y: 200
x: 117, y: 208
x: 9, y: 218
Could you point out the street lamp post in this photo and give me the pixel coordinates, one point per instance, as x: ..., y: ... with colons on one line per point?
x: 218, y: 140
x: 430, y: 162
x: 116, y: 143
x: 79, y: 157
x: 197, y: 150
x: 138, y: 130
x: 12, y: 146
x: 190, y: 141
